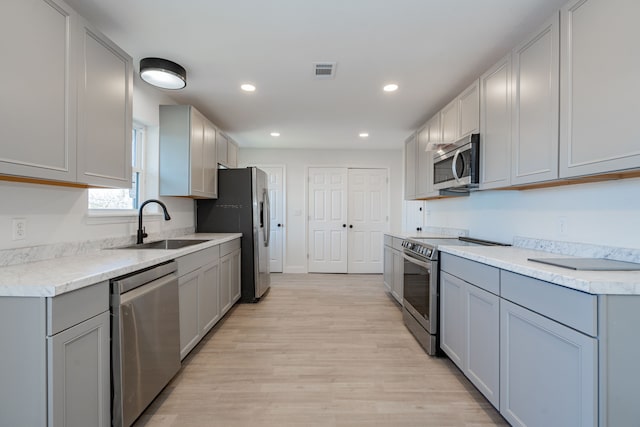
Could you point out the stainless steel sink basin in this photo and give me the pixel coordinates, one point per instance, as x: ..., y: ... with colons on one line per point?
x: 165, y: 244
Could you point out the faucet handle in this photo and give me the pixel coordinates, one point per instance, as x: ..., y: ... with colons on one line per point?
x: 144, y: 232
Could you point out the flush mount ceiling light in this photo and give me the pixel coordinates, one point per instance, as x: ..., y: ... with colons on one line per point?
x: 163, y: 73
x: 248, y: 87
x: 275, y: 133
x: 363, y: 135
x: 392, y: 87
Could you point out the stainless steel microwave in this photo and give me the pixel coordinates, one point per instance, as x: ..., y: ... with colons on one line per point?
x: 457, y: 166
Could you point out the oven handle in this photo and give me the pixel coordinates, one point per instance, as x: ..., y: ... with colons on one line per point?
x: 417, y: 262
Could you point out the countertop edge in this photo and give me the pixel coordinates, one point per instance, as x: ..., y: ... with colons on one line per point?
x: 515, y: 260
x: 124, y: 261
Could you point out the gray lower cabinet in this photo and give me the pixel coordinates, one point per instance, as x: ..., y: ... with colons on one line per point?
x: 548, y: 371
x: 393, y: 270
x: 229, y: 275
x: 199, y: 298
x: 208, y: 286
x: 469, y: 332
x: 55, y: 359
x: 78, y: 374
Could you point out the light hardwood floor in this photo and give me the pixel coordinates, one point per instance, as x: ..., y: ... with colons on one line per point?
x: 318, y: 350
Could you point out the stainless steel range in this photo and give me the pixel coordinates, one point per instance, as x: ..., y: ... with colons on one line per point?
x: 421, y: 286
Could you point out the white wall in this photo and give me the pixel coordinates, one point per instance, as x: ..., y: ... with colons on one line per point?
x: 296, y: 163
x: 605, y: 213
x: 59, y: 214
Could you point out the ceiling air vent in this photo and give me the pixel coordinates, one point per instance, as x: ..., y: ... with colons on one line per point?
x: 324, y: 70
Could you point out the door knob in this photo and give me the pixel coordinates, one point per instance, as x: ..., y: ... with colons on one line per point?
x: 279, y: 225
x: 344, y: 225
x: 350, y: 226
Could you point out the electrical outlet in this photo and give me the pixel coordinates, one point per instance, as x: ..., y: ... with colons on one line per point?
x: 19, y: 228
x: 562, y: 226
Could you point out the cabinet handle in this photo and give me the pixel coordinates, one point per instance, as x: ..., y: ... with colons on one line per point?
x: 344, y: 225
x: 350, y: 226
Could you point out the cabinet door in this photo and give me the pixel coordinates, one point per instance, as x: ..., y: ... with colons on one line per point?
x: 469, y: 107
x: 79, y: 367
x: 410, y: 150
x: 535, y: 103
x: 38, y: 107
x: 398, y: 276
x: 495, y: 125
x: 225, y: 283
x: 452, y: 318
x: 208, y: 297
x: 196, y: 153
x: 422, y: 170
x: 388, y: 269
x: 482, y: 364
x: 599, y: 87
x: 548, y: 372
x: 104, y: 111
x: 188, y: 298
x: 209, y: 161
x: 434, y: 137
x: 232, y: 155
x: 449, y: 122
x: 222, y: 148
x: 236, y: 275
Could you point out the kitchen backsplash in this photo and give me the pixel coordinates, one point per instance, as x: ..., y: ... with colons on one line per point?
x: 58, y: 250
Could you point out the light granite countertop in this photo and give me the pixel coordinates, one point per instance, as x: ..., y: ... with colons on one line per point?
x: 515, y: 259
x: 56, y: 276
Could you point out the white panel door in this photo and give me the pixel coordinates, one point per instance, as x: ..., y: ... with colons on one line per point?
x: 275, y: 184
x: 368, y: 219
x: 327, y: 220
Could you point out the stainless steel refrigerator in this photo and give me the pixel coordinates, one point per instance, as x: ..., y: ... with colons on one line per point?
x: 242, y: 206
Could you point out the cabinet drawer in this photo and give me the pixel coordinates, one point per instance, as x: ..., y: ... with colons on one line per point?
x: 573, y: 308
x: 69, y: 309
x: 228, y: 247
x: 193, y: 261
x: 481, y: 275
x: 397, y: 244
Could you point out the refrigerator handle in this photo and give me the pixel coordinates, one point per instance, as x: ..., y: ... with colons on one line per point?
x: 267, y: 227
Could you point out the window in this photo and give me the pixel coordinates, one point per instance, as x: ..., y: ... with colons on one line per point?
x: 123, y: 198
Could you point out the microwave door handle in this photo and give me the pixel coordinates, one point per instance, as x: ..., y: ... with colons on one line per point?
x: 453, y: 166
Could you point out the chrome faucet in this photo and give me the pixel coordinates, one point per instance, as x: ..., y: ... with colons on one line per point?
x: 141, y: 232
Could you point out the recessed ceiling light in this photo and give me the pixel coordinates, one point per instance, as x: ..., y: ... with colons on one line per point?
x: 275, y: 134
x: 364, y: 135
x: 248, y: 87
x: 390, y: 87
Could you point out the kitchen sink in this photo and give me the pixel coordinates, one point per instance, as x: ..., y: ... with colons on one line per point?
x: 165, y: 244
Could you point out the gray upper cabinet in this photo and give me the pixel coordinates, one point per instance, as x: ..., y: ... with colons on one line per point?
x: 599, y: 87
x: 469, y: 110
x: 104, y: 119
x: 188, y: 165
x: 38, y: 109
x: 410, y: 150
x: 450, y: 122
x: 535, y: 103
x: 227, y: 151
x: 430, y: 133
x: 72, y: 123
x: 495, y: 125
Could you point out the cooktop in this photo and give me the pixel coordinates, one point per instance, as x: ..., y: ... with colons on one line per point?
x: 595, y: 264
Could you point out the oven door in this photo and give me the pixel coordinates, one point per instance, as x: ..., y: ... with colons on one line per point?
x: 420, y: 291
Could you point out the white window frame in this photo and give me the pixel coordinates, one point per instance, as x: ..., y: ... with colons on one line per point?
x: 126, y: 215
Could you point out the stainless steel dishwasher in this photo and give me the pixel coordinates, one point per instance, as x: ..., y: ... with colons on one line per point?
x: 145, y: 339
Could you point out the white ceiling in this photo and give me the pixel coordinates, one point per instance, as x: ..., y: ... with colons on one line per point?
x: 431, y: 48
